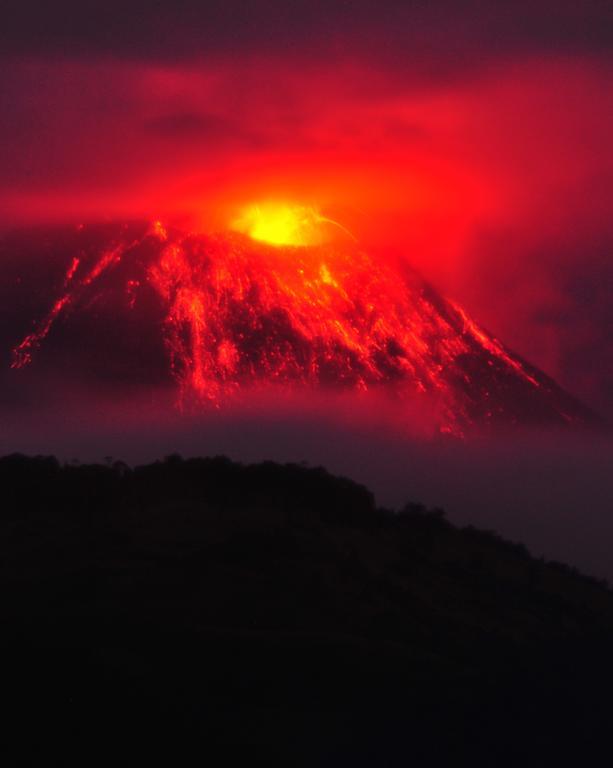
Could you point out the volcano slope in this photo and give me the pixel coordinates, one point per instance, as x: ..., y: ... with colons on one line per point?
x: 204, y: 612
x: 137, y: 305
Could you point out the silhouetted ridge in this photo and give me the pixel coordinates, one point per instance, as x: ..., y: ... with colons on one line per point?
x: 205, y: 610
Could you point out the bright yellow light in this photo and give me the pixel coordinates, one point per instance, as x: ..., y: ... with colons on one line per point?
x: 284, y: 224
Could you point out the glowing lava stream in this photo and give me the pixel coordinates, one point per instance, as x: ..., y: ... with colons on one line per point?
x: 283, y: 299
x: 22, y: 354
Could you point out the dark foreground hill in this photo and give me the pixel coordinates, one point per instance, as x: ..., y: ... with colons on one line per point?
x: 206, y: 613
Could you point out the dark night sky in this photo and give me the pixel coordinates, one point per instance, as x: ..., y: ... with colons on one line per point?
x: 459, y: 33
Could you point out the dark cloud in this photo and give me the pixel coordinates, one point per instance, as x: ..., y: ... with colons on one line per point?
x: 435, y: 36
x: 549, y: 297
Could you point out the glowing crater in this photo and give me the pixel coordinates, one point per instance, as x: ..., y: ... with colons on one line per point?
x: 285, y: 224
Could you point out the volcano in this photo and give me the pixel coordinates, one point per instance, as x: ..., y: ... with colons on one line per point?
x: 222, y: 313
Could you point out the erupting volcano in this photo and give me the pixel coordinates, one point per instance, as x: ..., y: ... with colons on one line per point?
x: 286, y: 296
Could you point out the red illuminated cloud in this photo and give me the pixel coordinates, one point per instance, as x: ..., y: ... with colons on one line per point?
x: 493, y: 182
x: 517, y: 140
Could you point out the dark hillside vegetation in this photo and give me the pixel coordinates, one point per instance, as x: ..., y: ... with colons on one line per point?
x: 204, y: 612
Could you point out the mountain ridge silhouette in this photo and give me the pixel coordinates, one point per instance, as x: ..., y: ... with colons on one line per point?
x: 205, y: 610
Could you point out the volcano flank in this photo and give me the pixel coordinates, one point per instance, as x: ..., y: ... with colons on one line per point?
x: 217, y: 314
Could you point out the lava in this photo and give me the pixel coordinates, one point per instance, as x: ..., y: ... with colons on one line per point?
x: 22, y: 353
x: 284, y: 300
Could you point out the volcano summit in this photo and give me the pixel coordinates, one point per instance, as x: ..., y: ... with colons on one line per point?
x: 219, y: 314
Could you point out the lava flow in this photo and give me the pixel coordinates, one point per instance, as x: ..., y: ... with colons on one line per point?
x: 288, y: 297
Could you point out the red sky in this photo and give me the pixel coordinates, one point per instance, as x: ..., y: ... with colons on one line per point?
x: 476, y: 148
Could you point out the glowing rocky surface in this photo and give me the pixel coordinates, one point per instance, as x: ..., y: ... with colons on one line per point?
x: 227, y: 312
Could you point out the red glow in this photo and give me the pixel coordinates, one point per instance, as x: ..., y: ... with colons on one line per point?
x: 493, y: 183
